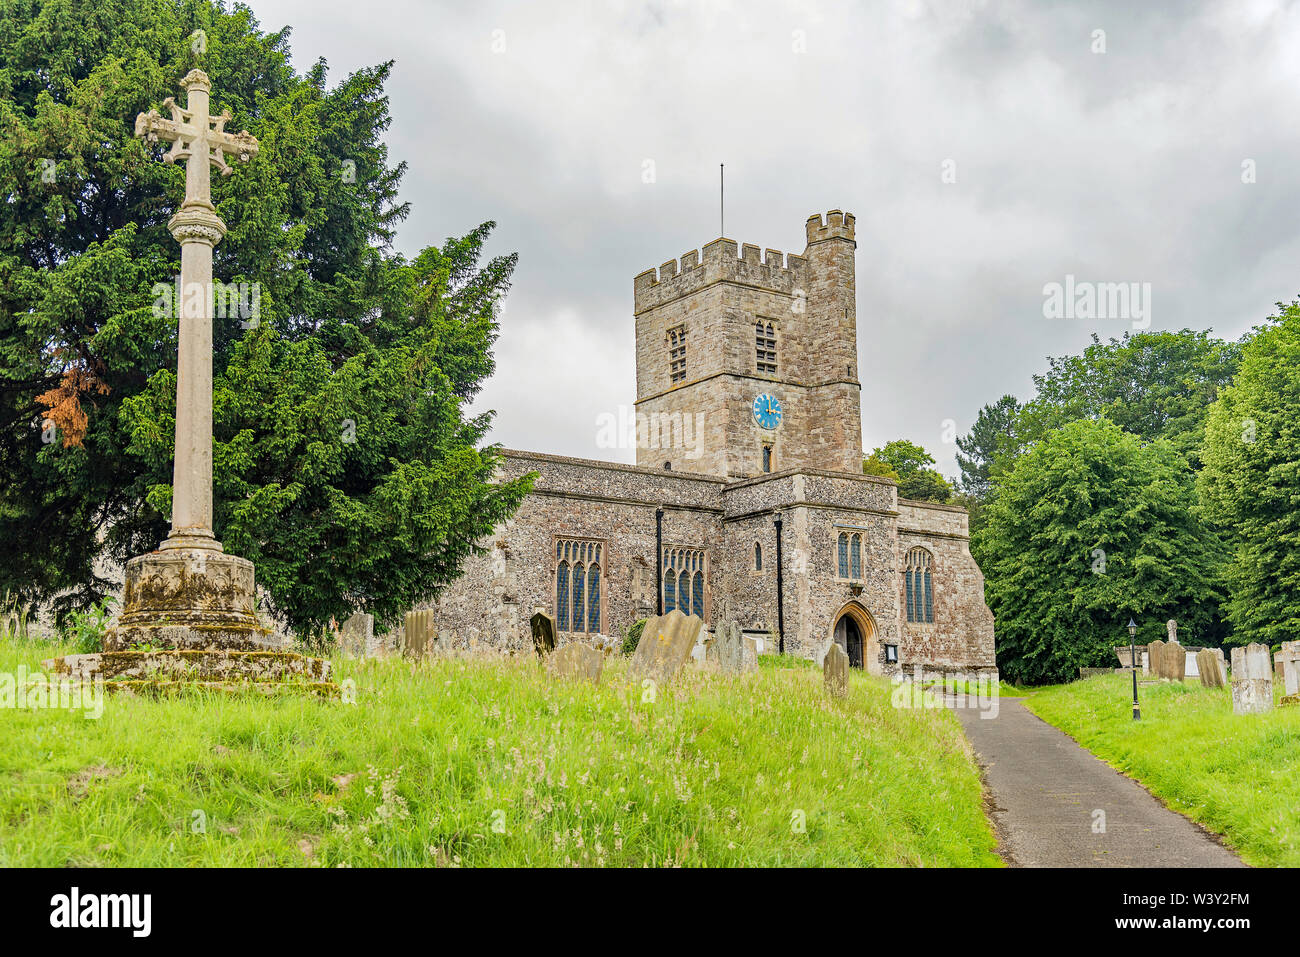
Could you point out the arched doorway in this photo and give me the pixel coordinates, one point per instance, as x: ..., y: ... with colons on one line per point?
x: 854, y: 630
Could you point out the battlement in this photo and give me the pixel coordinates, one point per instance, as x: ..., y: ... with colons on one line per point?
x: 837, y: 225
x: 720, y: 260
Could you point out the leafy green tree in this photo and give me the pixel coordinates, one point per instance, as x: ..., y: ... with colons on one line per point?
x: 992, y: 436
x: 1156, y: 385
x: 344, y: 464
x: 909, y: 465
x: 1092, y: 526
x: 1250, y: 483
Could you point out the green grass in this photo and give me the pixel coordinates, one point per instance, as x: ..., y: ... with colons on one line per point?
x: 1237, y: 775
x: 485, y: 762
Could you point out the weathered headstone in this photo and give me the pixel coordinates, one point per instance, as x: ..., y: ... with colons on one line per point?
x: 731, y: 651
x: 576, y: 660
x: 1252, y: 680
x: 1168, y: 660
x: 1125, y: 654
x: 835, y: 671
x: 1209, y: 665
x: 1289, y: 656
x: 543, y: 626
x: 420, y: 631
x: 1171, y: 626
x: 357, y: 635
x: 664, y: 647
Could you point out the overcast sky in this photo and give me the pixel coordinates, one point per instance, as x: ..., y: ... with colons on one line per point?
x: 1119, y: 166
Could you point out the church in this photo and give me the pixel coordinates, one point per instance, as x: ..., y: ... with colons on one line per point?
x: 747, y: 500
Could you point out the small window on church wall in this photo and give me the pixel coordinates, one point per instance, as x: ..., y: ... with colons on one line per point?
x: 758, y: 557
x: 765, y: 347
x: 767, y: 458
x: 918, y: 586
x: 677, y: 353
x: 577, y: 586
x: 849, y: 556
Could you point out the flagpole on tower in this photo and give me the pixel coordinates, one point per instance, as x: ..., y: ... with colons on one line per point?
x: 722, y: 199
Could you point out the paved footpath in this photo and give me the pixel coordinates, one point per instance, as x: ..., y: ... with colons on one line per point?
x: 1044, y: 789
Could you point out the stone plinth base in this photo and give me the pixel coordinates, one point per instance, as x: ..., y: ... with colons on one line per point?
x: 266, y: 672
x: 196, y: 598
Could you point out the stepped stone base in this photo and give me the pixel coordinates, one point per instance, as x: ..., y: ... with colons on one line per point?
x: 189, y: 619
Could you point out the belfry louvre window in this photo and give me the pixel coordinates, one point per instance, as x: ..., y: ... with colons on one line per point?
x: 849, y: 556
x: 765, y: 347
x: 677, y: 353
x: 577, y: 585
x: 918, y: 586
x: 684, y: 576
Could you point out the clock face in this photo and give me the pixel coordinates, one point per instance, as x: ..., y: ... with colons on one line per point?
x: 767, y: 410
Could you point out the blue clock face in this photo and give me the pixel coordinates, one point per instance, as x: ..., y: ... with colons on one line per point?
x: 767, y: 410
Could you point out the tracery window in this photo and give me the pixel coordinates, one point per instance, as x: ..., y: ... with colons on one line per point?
x: 577, y: 585
x: 684, y: 571
x: 765, y: 347
x: 677, y: 353
x: 918, y: 586
x: 849, y: 555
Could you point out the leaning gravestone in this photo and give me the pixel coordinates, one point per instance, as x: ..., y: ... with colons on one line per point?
x: 665, y: 645
x: 835, y: 671
x: 1155, y: 657
x: 576, y: 660
x: 1170, y: 661
x: 1252, y: 680
x: 1209, y: 665
x: 357, y: 635
x: 543, y: 626
x: 730, y: 650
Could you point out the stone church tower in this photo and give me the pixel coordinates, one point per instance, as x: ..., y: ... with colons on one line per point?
x: 717, y: 331
x: 748, y: 501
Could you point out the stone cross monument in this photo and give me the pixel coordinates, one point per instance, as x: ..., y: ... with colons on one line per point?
x: 189, y: 610
x: 189, y: 593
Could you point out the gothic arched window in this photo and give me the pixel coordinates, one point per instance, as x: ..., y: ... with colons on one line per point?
x: 918, y: 586
x: 677, y: 353
x: 844, y: 555
x: 767, y: 458
x: 577, y: 586
x: 758, y: 557
x: 855, y: 556
x: 684, y: 572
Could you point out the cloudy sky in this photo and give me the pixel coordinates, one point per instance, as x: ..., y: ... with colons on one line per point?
x: 987, y: 149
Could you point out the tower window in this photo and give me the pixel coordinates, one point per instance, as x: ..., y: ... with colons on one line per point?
x: 577, y: 586
x: 758, y: 557
x: 918, y: 586
x: 684, y: 571
x: 765, y: 347
x: 767, y: 458
x: 677, y: 353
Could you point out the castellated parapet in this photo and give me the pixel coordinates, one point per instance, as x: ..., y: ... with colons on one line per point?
x: 722, y: 261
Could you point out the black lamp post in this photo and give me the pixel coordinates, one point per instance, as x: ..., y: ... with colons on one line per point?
x: 1132, y: 660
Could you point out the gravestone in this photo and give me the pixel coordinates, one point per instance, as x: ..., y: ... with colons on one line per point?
x: 731, y: 651
x: 1289, y: 657
x: 1209, y: 665
x: 1192, y: 669
x: 1252, y: 680
x: 357, y: 636
x: 543, y: 626
x: 1168, y: 660
x: 665, y: 646
x: 577, y: 661
x: 1125, y: 654
x: 835, y: 671
x: 1171, y: 626
x: 420, y: 632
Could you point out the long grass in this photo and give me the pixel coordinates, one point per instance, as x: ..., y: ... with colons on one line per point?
x: 489, y: 762
x: 1239, y: 775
